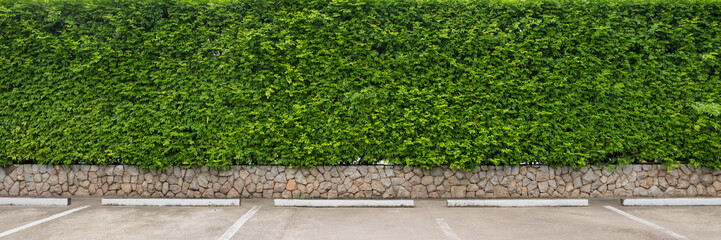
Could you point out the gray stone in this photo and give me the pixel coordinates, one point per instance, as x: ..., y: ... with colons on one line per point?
x: 189, y: 175
x: 378, y: 186
x: 8, y: 182
x: 202, y: 181
x: 300, y: 178
x: 543, y: 187
x: 438, y: 180
x: 707, y: 179
x: 165, y: 188
x: 577, y: 182
x: 280, y: 178
x: 437, y: 171
x: 691, y: 191
x: 640, y: 192
x: 685, y: 169
x: 694, y: 179
x: 586, y: 188
x: 542, y: 174
x: 415, y: 180
x: 133, y: 170
x: 589, y: 177
x: 14, y: 189
x: 506, y: 180
x: 427, y: 180
x: 494, y: 180
x: 389, y: 193
x: 403, y: 193
x: 117, y: 170
x: 683, y: 183
x: 386, y: 182
x: 239, y: 184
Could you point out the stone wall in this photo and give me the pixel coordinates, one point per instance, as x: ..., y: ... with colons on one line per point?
x: 358, y: 182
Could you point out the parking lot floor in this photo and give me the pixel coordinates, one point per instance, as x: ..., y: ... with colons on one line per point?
x: 429, y: 219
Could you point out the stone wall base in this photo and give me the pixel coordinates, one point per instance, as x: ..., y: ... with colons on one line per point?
x: 356, y: 182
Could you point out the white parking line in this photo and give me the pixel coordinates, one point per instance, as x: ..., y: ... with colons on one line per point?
x: 447, y: 229
x: 647, y: 223
x: 29, y: 225
x: 239, y: 223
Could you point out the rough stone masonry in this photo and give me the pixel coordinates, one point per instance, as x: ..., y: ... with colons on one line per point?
x: 534, y: 181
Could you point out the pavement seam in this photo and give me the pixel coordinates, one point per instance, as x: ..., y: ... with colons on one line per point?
x: 38, y: 222
x: 285, y: 230
x: 647, y: 223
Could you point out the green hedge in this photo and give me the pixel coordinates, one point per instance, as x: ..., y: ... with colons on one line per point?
x: 325, y: 82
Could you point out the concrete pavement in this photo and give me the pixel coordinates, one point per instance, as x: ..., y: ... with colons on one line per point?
x: 429, y: 219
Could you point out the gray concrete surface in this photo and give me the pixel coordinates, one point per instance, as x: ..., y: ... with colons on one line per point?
x: 430, y: 219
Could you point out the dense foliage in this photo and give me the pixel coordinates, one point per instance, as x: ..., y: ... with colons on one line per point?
x: 316, y: 82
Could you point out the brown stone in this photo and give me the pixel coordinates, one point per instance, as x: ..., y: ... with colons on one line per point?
x: 278, y: 187
x: 232, y: 193
x: 366, y: 187
x: 82, y: 192
x: 458, y: 191
x: 175, y: 189
x: 419, y: 191
x: 290, y: 186
x: 126, y: 187
x: 717, y: 186
x: 500, y: 191
x: 208, y: 193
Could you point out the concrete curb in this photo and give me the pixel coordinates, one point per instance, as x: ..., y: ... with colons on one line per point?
x: 34, y: 201
x: 518, y: 203
x: 168, y: 202
x: 331, y: 203
x: 671, y: 202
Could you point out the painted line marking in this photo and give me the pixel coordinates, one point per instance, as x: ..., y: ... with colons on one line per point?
x: 34, y: 201
x: 239, y: 223
x: 672, y: 202
x: 32, y: 224
x: 341, y: 203
x: 447, y: 229
x: 647, y: 223
x: 168, y: 202
x: 517, y: 203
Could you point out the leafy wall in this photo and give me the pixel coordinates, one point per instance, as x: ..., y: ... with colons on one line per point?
x: 323, y: 82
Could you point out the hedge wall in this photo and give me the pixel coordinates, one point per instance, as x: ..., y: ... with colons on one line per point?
x: 316, y: 82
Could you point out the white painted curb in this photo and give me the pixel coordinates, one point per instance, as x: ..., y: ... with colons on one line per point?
x: 342, y: 203
x: 35, y: 201
x: 671, y: 202
x: 168, y: 202
x: 518, y: 203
